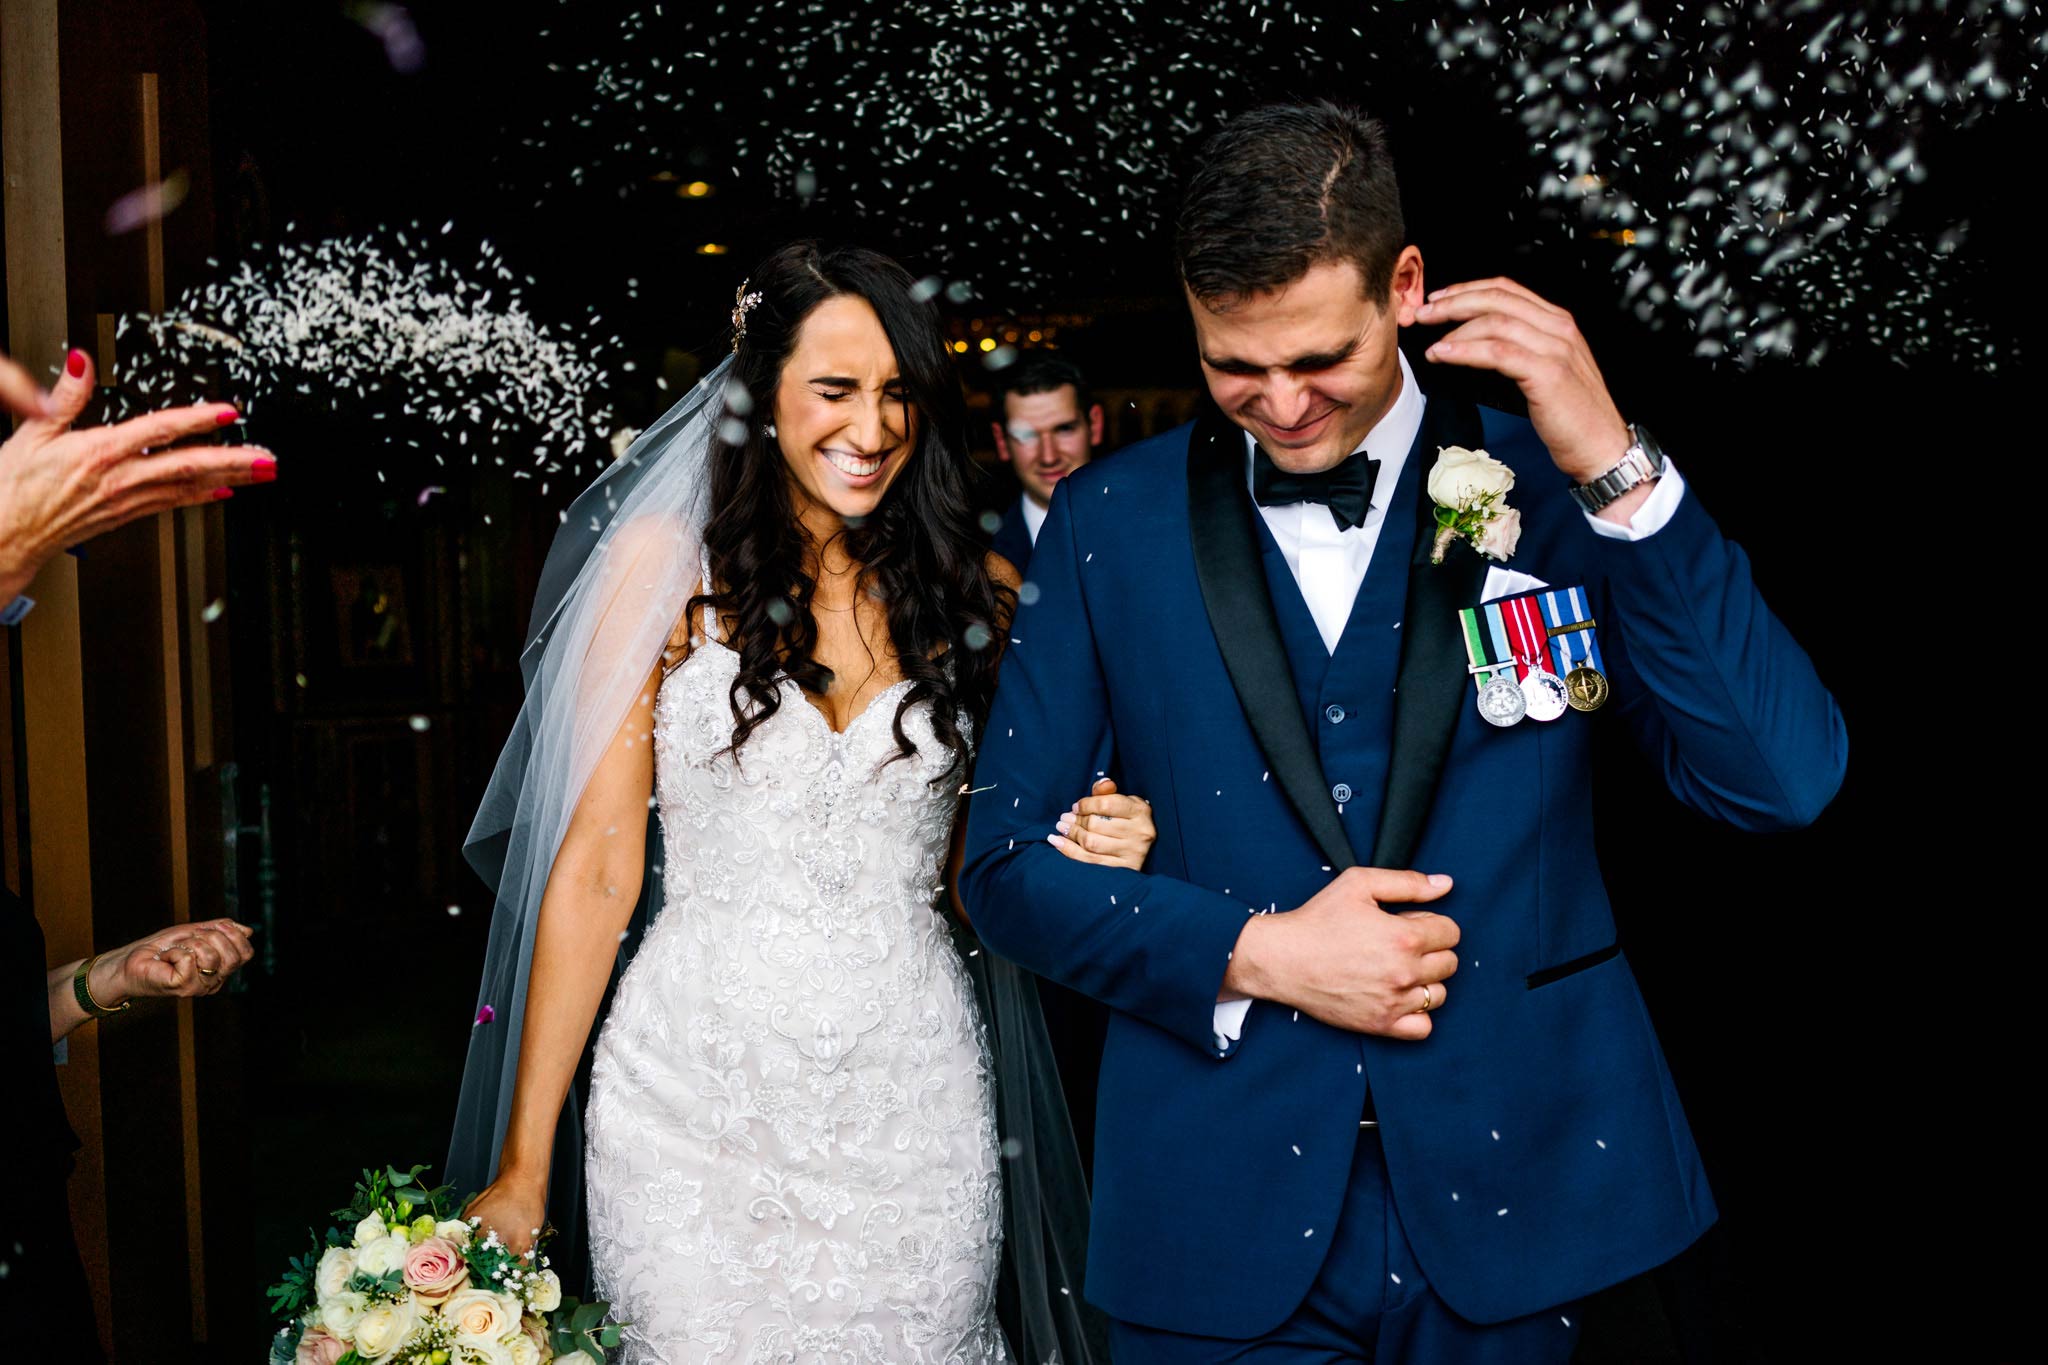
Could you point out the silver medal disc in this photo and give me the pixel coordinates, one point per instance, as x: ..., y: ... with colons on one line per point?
x: 1545, y: 694
x: 1501, y: 701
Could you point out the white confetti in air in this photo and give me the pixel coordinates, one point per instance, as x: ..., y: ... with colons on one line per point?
x: 1749, y: 160
x: 454, y: 910
x: 213, y: 610
x: 420, y: 724
x: 373, y: 325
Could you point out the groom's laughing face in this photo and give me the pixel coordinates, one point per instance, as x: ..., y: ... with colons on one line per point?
x: 1310, y: 367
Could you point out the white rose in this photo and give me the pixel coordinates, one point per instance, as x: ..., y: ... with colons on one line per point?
x: 337, y: 1264
x: 544, y: 1291
x: 464, y: 1351
x: 370, y: 1229
x: 455, y: 1230
x: 1499, y: 534
x: 522, y: 1350
x: 575, y: 1358
x: 481, y: 1314
x: 383, y: 1329
x: 340, y: 1314
x: 1462, y: 477
x: 386, y: 1254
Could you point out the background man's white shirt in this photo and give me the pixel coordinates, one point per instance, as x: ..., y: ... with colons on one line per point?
x: 1034, y: 515
x: 1329, y: 564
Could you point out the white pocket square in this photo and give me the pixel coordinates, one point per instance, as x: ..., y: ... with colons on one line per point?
x: 1507, y: 583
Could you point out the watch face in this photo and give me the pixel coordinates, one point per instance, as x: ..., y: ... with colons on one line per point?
x: 1649, y: 446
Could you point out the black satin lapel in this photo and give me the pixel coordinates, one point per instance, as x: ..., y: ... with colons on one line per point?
x: 1433, y: 684
x: 1233, y: 583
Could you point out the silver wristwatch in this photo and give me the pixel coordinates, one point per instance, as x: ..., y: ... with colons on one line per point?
x: 1641, y: 462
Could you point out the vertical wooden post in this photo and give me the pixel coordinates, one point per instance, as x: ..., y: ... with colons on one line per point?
x: 59, y: 872
x: 176, y: 761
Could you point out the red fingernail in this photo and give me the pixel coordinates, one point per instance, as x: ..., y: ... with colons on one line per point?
x: 74, y: 364
x: 221, y: 494
x: 264, y: 469
x: 225, y: 416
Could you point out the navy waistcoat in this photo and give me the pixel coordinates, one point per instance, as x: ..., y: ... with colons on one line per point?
x: 1348, y: 697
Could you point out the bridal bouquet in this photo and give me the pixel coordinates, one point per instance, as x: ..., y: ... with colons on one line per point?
x: 404, y: 1281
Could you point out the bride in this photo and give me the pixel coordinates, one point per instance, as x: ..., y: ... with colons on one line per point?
x: 771, y: 624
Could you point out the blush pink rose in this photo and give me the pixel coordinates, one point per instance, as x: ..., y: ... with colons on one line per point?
x: 434, y: 1269
x: 318, y: 1348
x: 1500, y: 534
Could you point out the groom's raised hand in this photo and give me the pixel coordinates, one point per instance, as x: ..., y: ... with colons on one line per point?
x: 1500, y: 325
x: 1344, y: 959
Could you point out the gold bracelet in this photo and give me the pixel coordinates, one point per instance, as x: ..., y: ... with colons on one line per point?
x: 81, y: 987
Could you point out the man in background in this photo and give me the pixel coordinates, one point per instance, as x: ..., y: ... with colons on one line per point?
x: 1049, y: 428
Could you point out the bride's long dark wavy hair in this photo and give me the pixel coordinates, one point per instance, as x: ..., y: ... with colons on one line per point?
x: 918, y: 552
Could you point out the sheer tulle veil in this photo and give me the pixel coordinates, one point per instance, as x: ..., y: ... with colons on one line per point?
x: 616, y: 580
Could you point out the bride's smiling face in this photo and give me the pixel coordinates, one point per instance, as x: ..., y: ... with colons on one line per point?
x: 843, y: 418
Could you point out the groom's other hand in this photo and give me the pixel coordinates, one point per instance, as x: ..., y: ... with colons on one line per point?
x: 1502, y: 326
x: 1346, y: 960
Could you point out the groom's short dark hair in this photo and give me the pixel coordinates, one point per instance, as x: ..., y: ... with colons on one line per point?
x: 1280, y: 189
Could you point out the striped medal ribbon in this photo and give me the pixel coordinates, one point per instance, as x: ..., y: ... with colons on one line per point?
x: 1543, y: 690
x: 1492, y: 665
x: 1577, y: 651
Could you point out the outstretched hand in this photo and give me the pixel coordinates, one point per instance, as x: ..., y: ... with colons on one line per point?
x: 60, y: 487
x: 1107, y: 828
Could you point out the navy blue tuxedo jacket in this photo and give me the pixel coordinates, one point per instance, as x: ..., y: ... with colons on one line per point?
x: 1535, y: 1144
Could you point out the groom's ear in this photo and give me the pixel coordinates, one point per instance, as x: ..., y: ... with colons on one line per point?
x: 1406, y: 293
x: 1002, y: 441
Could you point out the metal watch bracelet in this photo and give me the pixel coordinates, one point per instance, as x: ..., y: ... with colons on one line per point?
x: 1641, y: 462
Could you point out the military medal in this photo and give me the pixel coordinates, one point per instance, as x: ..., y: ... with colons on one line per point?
x: 1492, y: 666
x: 1570, y: 635
x: 1542, y: 690
x: 1502, y: 701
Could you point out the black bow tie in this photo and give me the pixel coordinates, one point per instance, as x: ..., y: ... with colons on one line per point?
x: 1345, y: 490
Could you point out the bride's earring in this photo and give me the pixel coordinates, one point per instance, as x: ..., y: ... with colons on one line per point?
x: 769, y: 430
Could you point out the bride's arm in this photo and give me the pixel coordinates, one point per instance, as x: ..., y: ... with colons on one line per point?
x: 590, y: 895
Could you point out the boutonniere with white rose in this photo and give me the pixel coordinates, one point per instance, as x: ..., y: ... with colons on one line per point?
x: 1470, y: 488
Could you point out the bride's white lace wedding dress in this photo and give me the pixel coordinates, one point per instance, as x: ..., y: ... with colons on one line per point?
x: 792, y: 1136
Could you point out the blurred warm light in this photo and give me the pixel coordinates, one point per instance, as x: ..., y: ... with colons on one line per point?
x: 696, y: 189
x: 713, y: 249
x: 1037, y: 336
x: 665, y: 177
x: 961, y: 347
x: 988, y: 343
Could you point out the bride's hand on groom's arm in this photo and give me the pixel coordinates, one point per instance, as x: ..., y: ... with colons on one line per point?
x: 1345, y: 960
x: 1107, y: 828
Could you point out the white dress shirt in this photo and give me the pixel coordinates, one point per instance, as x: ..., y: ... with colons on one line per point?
x: 1329, y: 564
x: 1034, y: 516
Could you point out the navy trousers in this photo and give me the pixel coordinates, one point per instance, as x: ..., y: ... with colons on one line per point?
x: 1369, y: 1303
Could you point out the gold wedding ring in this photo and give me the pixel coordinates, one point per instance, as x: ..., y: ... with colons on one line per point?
x: 1428, y: 1003
x: 206, y: 971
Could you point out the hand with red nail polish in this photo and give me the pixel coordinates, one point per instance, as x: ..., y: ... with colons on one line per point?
x: 61, y: 485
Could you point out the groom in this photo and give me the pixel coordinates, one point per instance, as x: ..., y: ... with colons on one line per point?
x: 1314, y: 1141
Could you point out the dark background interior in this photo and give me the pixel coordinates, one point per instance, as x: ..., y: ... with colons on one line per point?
x: 1845, y: 1008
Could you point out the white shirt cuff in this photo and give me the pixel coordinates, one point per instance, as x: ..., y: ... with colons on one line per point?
x: 1656, y: 511
x: 1230, y: 1020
